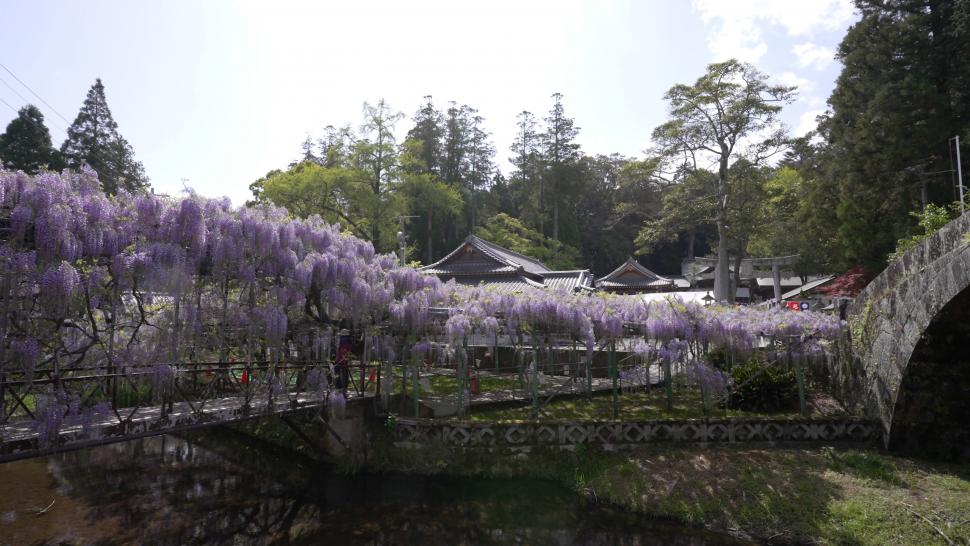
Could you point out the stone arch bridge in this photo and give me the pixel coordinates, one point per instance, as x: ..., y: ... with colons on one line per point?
x: 908, y: 347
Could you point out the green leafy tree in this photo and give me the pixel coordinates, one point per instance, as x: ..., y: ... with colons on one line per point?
x: 930, y: 220
x: 93, y: 138
x: 335, y: 146
x: 376, y: 154
x: 816, y: 223
x: 257, y: 187
x: 337, y: 194
x: 509, y: 232
x: 688, y: 207
x: 729, y: 114
x: 26, y: 144
x: 616, y: 196
x: 428, y: 198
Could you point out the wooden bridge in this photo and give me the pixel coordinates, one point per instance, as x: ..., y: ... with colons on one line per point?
x: 141, y: 403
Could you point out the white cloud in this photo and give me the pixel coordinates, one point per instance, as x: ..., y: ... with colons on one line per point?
x: 737, y: 24
x: 807, y: 122
x: 811, y: 54
x: 790, y: 78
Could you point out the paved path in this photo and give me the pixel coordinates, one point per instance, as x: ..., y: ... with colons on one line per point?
x: 550, y: 385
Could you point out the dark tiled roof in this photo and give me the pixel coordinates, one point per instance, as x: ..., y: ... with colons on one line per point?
x: 501, y: 283
x: 529, y: 264
x: 569, y: 280
x: 634, y: 283
x: 470, y: 269
x: 476, y: 256
x: 633, y: 276
x: 477, y: 261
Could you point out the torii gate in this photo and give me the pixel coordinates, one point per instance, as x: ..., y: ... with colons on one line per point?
x: 776, y: 264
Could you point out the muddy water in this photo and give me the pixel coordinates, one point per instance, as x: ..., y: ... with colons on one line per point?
x: 214, y: 488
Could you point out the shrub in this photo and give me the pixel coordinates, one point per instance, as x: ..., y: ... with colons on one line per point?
x: 757, y: 388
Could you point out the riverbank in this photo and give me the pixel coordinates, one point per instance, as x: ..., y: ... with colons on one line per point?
x: 779, y: 495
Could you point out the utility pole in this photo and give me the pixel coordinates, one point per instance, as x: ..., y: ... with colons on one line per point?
x: 402, y: 239
x: 403, y: 243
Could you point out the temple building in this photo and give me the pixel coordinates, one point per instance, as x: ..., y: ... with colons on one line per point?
x: 480, y: 262
x: 633, y: 278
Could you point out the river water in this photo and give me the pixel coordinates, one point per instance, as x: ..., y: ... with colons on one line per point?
x: 216, y: 488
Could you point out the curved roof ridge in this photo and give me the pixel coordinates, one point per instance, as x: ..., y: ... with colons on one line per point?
x: 630, y: 262
x: 491, y: 248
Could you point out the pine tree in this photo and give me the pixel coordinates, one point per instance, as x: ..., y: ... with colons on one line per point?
x: 730, y: 115
x: 26, y: 144
x: 93, y: 139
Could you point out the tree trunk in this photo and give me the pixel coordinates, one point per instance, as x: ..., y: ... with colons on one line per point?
x: 555, y: 216
x: 722, y: 275
x: 737, y: 276
x: 430, y: 253
x: 539, y: 208
x: 691, y: 236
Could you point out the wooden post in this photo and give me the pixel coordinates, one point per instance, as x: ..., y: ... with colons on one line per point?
x: 535, y: 377
x: 776, y: 281
x: 409, y: 343
x: 417, y: 386
x: 613, y: 378
x: 800, y: 377
x: 495, y: 351
x: 668, y: 384
x: 461, y: 372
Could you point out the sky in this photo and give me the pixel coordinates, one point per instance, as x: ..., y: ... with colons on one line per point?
x: 212, y: 95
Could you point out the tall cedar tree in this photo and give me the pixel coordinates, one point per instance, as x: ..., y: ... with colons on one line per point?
x: 93, y: 138
x: 26, y: 144
x: 561, y: 153
x: 423, y: 162
x: 902, y: 93
x: 428, y: 130
x: 467, y: 161
x: 526, y: 178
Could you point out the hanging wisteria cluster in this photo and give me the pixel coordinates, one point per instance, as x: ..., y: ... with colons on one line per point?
x: 135, y: 281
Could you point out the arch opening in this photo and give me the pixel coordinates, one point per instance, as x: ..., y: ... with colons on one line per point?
x: 932, y: 411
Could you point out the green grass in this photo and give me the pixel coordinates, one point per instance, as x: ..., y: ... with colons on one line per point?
x: 810, y: 495
x: 633, y: 406
x: 448, y: 384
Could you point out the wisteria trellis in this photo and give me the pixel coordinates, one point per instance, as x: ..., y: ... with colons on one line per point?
x: 144, y: 283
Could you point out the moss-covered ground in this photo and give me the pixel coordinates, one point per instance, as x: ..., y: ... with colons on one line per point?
x: 780, y: 495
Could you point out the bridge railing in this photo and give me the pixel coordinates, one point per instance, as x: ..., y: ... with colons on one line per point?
x: 53, y: 406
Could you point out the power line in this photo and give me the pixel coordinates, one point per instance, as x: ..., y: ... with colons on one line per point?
x: 15, y: 111
x: 35, y: 94
x: 15, y: 92
x: 26, y: 101
x: 29, y: 120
